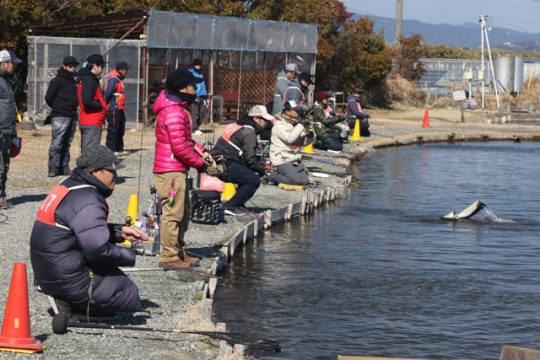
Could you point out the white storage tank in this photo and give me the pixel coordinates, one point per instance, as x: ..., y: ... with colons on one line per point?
x: 518, y: 73
x: 504, y: 73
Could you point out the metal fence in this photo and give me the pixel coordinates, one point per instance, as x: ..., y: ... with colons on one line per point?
x: 45, y: 56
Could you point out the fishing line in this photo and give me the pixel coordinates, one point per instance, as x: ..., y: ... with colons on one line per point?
x: 140, y: 167
x: 4, y: 218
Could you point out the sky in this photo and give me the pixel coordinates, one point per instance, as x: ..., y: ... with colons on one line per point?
x: 518, y: 15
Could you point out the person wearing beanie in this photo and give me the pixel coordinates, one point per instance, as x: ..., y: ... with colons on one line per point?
x: 354, y: 111
x: 175, y: 153
x: 115, y: 100
x: 200, y: 105
x: 93, y: 109
x: 72, y: 246
x: 8, y: 118
x: 62, y: 98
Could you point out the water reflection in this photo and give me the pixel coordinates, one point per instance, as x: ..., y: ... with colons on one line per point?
x: 381, y: 273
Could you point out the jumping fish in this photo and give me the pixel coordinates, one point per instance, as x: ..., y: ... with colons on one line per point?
x: 466, y: 213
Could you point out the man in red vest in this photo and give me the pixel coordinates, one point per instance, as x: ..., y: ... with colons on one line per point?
x: 115, y: 99
x: 91, y: 101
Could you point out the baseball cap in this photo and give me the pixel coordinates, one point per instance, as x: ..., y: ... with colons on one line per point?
x: 70, y: 61
x: 96, y: 59
x: 292, y: 67
x: 122, y: 65
x: 260, y: 111
x: 8, y: 55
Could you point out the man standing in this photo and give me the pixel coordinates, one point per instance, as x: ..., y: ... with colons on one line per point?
x: 62, y: 98
x: 198, y: 108
x: 285, y: 79
x: 93, y: 109
x: 115, y: 99
x: 8, y: 118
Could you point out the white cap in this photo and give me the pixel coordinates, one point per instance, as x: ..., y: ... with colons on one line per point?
x: 8, y: 55
x: 260, y: 111
x: 292, y: 67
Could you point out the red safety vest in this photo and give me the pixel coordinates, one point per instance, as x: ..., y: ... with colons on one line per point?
x: 47, y: 209
x: 119, y: 88
x: 229, y: 131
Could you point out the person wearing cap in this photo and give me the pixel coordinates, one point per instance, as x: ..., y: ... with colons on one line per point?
x: 285, y: 79
x: 8, y: 118
x: 198, y: 108
x: 93, y: 108
x: 73, y: 247
x: 298, y: 90
x: 354, y: 111
x: 175, y: 153
x: 238, y: 145
x: 115, y: 99
x: 61, y: 96
x: 288, y: 136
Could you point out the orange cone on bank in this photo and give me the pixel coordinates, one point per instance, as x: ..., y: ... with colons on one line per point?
x: 15, y: 335
x: 425, y: 124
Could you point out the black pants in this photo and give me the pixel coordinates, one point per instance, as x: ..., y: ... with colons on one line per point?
x: 63, y: 130
x: 116, y: 129
x: 248, y: 182
x: 5, y: 147
x: 198, y: 113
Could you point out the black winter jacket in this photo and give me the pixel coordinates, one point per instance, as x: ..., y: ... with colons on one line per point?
x: 246, y: 140
x: 8, y: 108
x: 90, y: 84
x: 62, y: 94
x: 63, y: 255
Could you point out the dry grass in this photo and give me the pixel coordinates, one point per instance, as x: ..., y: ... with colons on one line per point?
x: 399, y: 89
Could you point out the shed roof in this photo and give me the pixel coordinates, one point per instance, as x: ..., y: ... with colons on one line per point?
x: 196, y: 31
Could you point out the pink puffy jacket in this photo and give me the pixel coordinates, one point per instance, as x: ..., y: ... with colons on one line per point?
x: 174, y: 145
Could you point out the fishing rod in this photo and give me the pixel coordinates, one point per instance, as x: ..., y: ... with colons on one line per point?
x: 61, y: 324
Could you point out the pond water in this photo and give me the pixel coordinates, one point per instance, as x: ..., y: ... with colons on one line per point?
x: 380, y: 274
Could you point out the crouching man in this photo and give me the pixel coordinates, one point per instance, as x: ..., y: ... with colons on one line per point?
x: 72, y: 247
x: 238, y: 146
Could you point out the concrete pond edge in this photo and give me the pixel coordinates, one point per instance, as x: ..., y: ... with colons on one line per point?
x: 313, y: 200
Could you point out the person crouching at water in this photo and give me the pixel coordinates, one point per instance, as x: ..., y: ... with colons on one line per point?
x: 238, y: 146
x: 72, y: 247
x: 175, y: 153
x: 288, y: 136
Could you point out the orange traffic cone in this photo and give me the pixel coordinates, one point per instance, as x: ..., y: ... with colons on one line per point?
x: 425, y: 124
x: 15, y: 335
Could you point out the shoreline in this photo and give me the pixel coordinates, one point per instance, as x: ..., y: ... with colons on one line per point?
x: 180, y: 301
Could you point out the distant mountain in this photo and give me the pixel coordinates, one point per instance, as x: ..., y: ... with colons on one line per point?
x: 463, y: 36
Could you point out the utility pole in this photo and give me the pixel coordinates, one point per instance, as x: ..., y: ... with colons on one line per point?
x: 399, y: 20
x: 485, y: 29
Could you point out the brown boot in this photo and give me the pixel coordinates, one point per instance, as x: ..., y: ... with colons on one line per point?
x: 189, y: 259
x: 174, y: 265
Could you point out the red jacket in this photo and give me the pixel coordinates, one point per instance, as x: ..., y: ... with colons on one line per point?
x: 175, y: 149
x: 91, y: 101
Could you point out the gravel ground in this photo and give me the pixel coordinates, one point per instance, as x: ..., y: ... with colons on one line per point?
x: 171, y: 299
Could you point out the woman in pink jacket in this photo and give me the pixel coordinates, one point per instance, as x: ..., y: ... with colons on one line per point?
x: 175, y: 154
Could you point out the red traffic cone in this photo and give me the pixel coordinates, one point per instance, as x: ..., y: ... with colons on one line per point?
x: 425, y: 124
x: 15, y: 335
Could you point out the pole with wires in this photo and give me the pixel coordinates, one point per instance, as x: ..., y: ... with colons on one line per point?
x: 239, y: 83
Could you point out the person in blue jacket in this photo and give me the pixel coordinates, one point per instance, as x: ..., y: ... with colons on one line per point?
x: 72, y: 246
x: 198, y: 108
